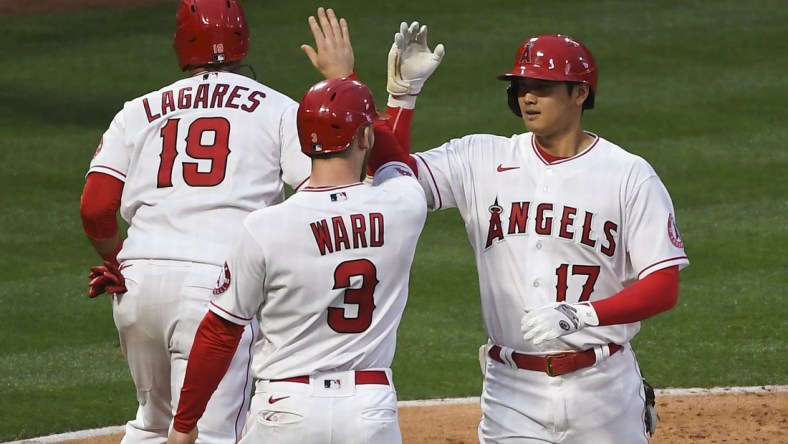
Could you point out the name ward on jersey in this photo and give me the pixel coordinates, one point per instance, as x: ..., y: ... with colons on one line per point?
x: 365, y: 230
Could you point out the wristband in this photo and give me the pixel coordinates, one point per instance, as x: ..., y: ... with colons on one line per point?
x: 407, y: 101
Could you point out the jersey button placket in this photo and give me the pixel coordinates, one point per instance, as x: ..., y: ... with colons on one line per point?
x: 545, y: 185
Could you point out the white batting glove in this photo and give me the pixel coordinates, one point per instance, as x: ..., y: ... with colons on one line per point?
x: 555, y: 320
x: 410, y: 61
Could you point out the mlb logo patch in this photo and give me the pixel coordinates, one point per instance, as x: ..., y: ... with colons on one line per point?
x: 332, y: 384
x: 338, y: 197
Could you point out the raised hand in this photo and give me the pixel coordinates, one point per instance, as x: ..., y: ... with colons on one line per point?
x: 333, y: 57
x: 410, y: 60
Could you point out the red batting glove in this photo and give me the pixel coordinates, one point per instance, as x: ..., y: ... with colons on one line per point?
x: 105, y: 278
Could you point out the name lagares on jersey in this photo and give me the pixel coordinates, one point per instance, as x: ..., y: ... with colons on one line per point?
x: 546, y: 219
x: 206, y: 95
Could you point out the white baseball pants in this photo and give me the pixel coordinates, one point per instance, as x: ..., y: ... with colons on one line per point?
x: 157, y: 320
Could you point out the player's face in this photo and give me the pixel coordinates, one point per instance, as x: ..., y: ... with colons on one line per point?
x: 547, y: 106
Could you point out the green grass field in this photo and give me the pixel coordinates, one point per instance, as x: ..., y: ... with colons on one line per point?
x: 696, y: 87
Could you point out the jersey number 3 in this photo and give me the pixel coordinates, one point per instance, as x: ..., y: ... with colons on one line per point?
x: 215, y: 152
x: 361, y: 296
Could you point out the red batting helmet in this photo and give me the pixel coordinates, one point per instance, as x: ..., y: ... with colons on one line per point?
x: 210, y: 32
x: 331, y: 113
x: 553, y: 57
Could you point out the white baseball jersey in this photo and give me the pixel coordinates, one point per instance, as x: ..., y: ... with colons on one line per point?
x: 197, y: 157
x: 327, y: 274
x: 579, y: 229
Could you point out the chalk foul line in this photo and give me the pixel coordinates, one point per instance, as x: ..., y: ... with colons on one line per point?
x: 667, y: 392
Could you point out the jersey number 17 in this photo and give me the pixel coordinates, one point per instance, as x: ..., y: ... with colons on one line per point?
x: 591, y: 272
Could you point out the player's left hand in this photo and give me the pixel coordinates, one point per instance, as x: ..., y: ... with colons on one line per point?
x: 177, y: 437
x: 410, y: 61
x: 333, y: 57
x: 105, y: 278
x: 555, y: 320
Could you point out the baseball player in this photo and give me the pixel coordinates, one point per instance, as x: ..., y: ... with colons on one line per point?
x: 575, y: 242
x: 184, y: 165
x: 331, y: 306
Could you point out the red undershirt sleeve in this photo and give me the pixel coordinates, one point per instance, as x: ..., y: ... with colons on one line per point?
x: 400, y: 121
x: 657, y: 292
x: 99, y: 205
x: 392, y: 138
x: 388, y: 149
x: 214, y: 345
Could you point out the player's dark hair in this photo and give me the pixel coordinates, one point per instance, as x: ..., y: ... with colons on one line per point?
x: 234, y: 67
x: 589, y: 102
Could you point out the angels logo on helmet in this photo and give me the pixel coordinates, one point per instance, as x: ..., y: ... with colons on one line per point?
x: 526, y: 56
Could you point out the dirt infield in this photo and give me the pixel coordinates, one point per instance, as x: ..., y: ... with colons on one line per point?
x: 726, y: 418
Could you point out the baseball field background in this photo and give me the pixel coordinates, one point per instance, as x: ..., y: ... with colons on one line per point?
x: 698, y: 88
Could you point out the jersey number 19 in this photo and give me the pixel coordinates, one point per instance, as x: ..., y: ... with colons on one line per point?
x: 216, y: 151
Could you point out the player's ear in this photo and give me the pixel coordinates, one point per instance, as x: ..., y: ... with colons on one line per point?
x: 583, y: 90
x: 366, y: 137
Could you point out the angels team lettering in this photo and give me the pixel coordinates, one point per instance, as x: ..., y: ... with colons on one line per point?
x: 551, y: 220
x: 207, y: 95
x: 343, y: 233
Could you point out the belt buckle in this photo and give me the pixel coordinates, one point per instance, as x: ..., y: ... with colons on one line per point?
x: 549, y: 364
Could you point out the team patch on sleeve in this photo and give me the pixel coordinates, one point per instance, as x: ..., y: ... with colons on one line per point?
x: 98, y: 148
x: 223, y: 283
x: 403, y: 171
x: 673, y: 232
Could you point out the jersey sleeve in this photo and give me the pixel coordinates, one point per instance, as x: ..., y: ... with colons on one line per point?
x: 111, y: 156
x: 441, y: 173
x: 652, y: 234
x: 400, y: 179
x: 296, y: 166
x: 239, y: 289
